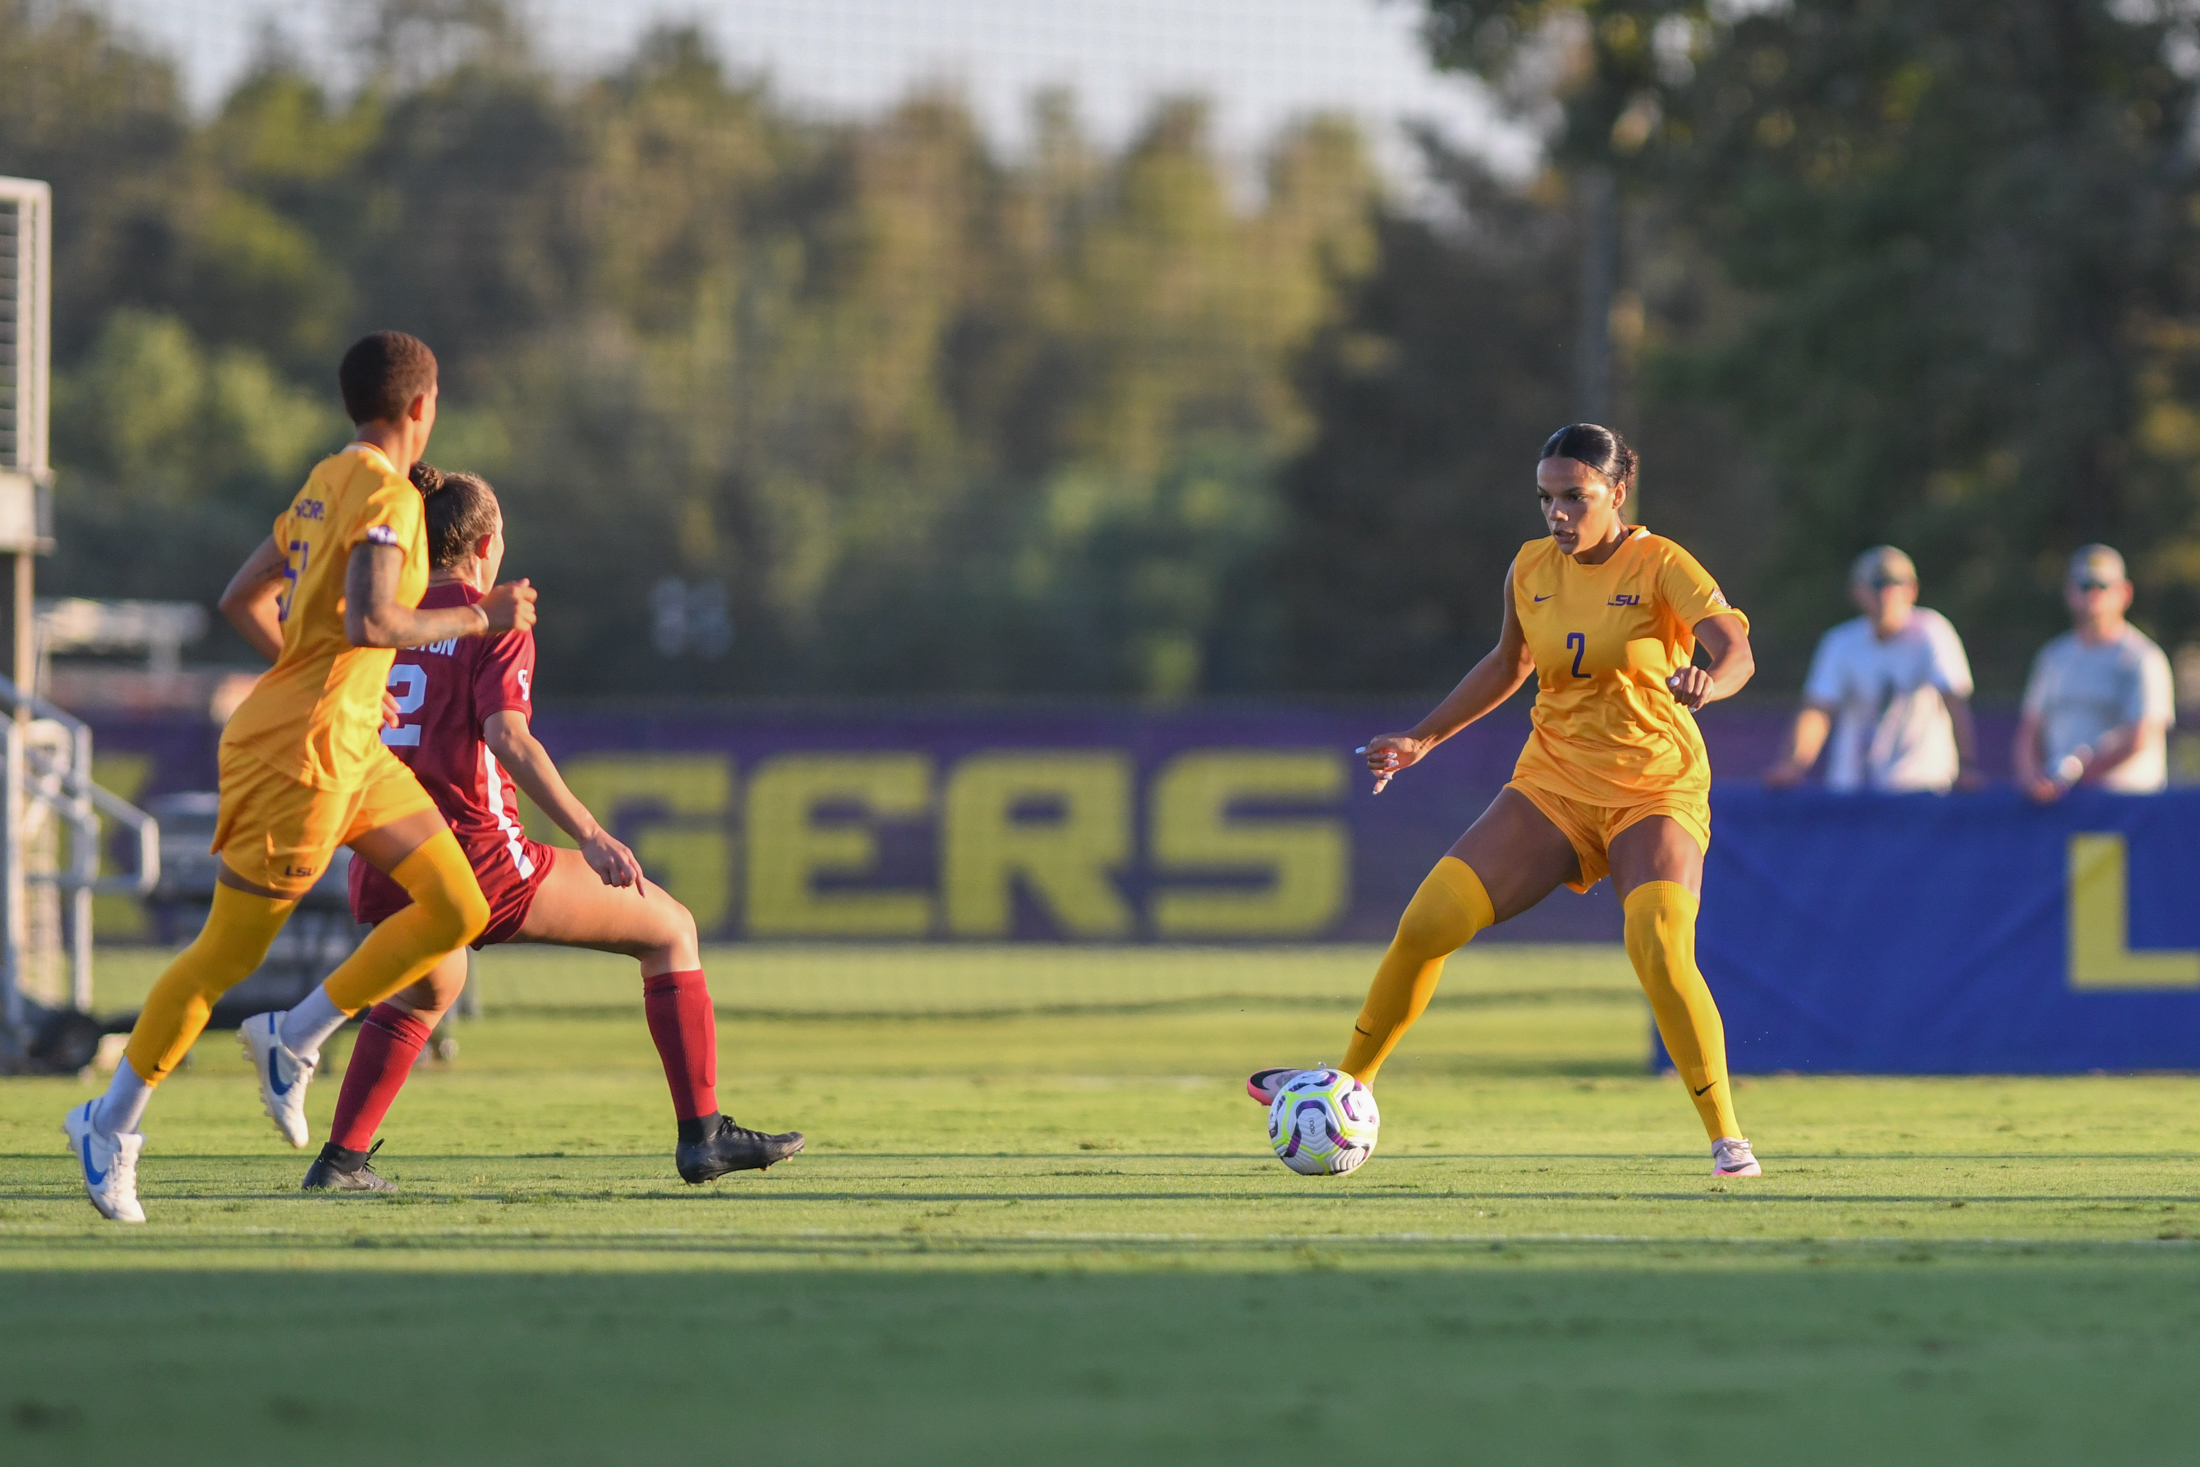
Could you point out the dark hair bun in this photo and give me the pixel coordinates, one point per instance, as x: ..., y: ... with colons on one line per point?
x: 427, y: 478
x: 461, y: 509
x: 1598, y: 447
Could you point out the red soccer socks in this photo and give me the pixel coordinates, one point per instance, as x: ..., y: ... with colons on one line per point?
x: 685, y: 1030
x: 389, y: 1041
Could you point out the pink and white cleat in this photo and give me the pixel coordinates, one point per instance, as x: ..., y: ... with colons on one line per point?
x: 1262, y: 1085
x: 1731, y: 1157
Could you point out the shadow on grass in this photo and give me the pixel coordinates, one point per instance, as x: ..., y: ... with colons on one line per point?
x: 1033, y: 1362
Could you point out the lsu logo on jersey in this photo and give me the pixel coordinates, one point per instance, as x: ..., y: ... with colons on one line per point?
x: 1625, y: 598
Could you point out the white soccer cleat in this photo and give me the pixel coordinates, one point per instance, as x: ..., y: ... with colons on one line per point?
x: 109, y: 1162
x: 283, y: 1075
x: 1731, y: 1157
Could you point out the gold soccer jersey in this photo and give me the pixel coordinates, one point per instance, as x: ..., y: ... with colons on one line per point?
x: 1605, y: 638
x: 317, y: 714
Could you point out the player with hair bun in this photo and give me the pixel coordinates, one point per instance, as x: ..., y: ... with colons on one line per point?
x: 462, y: 725
x: 1614, y: 779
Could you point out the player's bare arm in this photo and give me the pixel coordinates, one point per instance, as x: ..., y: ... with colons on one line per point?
x: 1485, y: 687
x: 1725, y: 640
x: 531, y: 768
x: 253, y: 603
x: 252, y: 600
x: 373, y: 617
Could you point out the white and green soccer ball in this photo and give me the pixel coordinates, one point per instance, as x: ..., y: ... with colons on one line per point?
x: 1323, y: 1123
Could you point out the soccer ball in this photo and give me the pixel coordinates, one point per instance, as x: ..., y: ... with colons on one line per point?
x: 1323, y: 1123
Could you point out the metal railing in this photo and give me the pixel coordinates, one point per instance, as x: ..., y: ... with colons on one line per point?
x: 49, y: 768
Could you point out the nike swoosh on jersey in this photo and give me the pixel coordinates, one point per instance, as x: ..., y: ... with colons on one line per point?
x: 1545, y: 598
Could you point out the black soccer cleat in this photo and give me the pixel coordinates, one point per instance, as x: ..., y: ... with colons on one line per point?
x: 732, y: 1148
x: 337, y: 1169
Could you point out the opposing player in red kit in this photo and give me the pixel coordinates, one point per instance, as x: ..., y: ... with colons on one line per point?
x: 462, y: 709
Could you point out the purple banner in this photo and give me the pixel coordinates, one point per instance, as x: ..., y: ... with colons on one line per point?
x: 1214, y: 823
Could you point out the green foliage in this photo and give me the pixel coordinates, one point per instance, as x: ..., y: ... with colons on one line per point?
x: 1953, y: 300
x: 1965, y: 232
x: 1417, y: 490
x: 1094, y: 421
x: 1600, y: 73
x: 935, y: 418
x: 197, y: 442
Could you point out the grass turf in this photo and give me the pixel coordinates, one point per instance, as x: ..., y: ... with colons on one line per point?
x: 1037, y: 1224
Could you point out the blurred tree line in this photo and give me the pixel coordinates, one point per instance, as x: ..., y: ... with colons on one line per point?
x: 1931, y: 264
x: 787, y: 405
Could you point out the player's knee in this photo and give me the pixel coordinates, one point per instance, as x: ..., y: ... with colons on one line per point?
x: 1433, y: 924
x: 456, y: 907
x: 442, y: 885
x: 469, y: 913
x: 231, y: 946
x: 680, y: 923
x: 1659, y: 917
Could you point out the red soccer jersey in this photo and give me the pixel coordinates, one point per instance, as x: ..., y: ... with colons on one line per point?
x: 445, y: 691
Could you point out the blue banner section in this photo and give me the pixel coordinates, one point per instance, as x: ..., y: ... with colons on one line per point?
x: 1969, y: 934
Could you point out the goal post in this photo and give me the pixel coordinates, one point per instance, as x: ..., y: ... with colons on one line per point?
x: 26, y: 367
x: 26, y: 364
x: 47, y: 792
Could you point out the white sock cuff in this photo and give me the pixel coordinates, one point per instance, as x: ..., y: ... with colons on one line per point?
x: 308, y: 1026
x: 122, y: 1108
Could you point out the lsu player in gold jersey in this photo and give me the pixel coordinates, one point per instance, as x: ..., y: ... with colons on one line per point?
x: 1614, y: 779
x: 328, y: 597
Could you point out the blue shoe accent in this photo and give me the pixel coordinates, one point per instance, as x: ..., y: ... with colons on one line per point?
x: 95, y: 1177
x: 274, y: 1068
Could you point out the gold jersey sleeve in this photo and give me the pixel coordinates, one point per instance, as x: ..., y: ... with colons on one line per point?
x: 1605, y: 638
x: 317, y: 714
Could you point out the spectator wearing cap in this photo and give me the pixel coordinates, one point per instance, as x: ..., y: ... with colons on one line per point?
x: 1892, y: 688
x: 2100, y: 700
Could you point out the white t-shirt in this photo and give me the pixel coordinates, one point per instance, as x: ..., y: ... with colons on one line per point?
x: 2080, y: 692
x: 1891, y: 729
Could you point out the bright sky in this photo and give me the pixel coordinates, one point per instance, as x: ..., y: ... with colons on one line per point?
x: 1261, y: 61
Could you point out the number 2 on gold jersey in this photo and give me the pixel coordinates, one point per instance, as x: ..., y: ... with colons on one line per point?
x: 1580, y: 644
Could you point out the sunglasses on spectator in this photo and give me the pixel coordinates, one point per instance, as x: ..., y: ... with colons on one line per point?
x: 1881, y: 583
x: 2093, y: 585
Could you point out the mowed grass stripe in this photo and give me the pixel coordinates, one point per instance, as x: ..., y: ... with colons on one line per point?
x: 2057, y: 1362
x: 1023, y: 1235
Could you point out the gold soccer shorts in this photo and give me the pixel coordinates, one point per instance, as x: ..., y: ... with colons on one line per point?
x: 1591, y: 829
x: 279, y: 833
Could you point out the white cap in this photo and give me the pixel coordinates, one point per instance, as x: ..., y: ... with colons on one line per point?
x: 2096, y: 565
x: 1882, y: 563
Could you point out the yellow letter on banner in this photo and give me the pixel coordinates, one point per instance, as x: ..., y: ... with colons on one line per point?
x: 690, y: 851
x: 1308, y: 862
x: 2100, y: 937
x: 1064, y: 860
x: 788, y: 849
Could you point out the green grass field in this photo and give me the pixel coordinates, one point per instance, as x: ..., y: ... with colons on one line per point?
x: 1038, y: 1223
